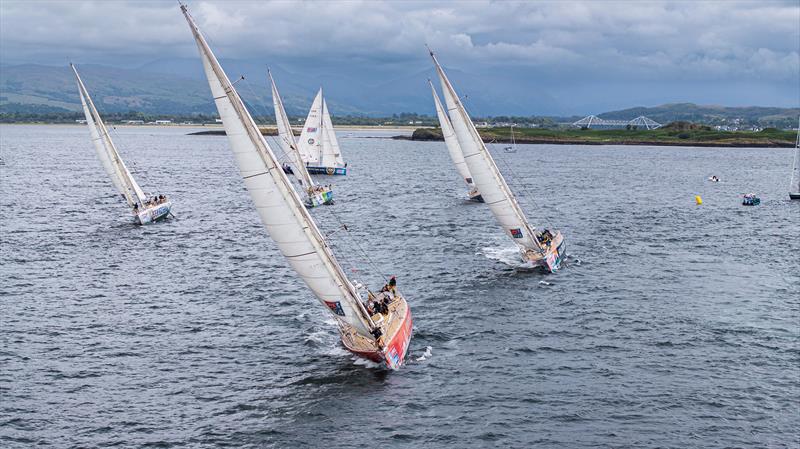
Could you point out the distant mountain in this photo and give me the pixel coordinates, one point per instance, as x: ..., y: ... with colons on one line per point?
x: 711, y: 114
x: 179, y: 87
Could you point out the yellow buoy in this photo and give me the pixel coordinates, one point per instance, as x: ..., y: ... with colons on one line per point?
x: 698, y: 200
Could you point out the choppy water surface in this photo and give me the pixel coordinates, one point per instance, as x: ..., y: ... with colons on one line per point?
x: 672, y: 325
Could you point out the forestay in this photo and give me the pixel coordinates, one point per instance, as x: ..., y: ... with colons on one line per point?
x: 311, y: 137
x: 485, y: 174
x: 450, y: 140
x: 279, y: 206
x: 106, y: 150
x: 286, y: 137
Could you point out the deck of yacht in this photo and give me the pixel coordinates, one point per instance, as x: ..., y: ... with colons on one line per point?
x: 391, y: 324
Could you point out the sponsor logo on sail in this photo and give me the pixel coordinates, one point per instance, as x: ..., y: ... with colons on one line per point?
x: 336, y: 307
x: 311, y: 130
x: 311, y: 141
x: 516, y: 233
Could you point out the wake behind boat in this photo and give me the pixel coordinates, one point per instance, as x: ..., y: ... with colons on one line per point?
x: 146, y: 209
x: 544, y: 249
x: 316, y: 195
x: 379, y: 331
x: 318, y: 146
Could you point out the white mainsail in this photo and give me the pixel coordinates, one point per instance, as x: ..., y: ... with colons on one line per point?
x: 310, y: 143
x: 281, y: 210
x: 331, y: 155
x: 450, y: 140
x: 106, y: 150
x: 286, y: 138
x: 485, y: 174
x: 794, y: 189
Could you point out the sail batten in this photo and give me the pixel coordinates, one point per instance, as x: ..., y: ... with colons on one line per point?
x: 485, y: 174
x: 279, y: 206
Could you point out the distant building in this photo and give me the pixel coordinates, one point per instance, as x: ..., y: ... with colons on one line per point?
x: 219, y: 120
x: 163, y: 122
x: 80, y: 121
x: 134, y: 122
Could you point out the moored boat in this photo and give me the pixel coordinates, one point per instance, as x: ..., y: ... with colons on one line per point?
x: 145, y: 209
x: 543, y: 249
x: 316, y: 195
x: 383, y: 337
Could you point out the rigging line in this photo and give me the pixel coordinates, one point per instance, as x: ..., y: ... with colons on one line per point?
x: 370, y: 262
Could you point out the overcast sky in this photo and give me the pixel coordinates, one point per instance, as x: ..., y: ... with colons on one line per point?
x: 750, y: 47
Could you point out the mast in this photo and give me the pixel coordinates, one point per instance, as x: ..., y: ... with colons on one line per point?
x: 794, y: 189
x: 132, y: 192
x: 485, y: 174
x: 282, y: 212
x: 286, y: 137
x: 451, y: 140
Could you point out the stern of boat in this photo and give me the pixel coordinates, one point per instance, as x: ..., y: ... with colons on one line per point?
x: 320, y: 197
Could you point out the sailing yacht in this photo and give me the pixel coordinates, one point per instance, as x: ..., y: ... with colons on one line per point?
x: 145, y: 209
x: 543, y: 249
x: 454, y: 148
x: 318, y: 146
x: 316, y: 195
x: 376, y: 326
x: 794, y: 189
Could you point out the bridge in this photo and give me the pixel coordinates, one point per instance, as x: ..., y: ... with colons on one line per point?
x: 597, y: 122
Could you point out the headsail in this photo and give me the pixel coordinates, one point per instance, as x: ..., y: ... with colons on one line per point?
x: 281, y: 210
x: 106, y: 150
x: 485, y: 174
x: 451, y: 140
x: 794, y: 189
x: 331, y: 155
x: 286, y: 137
x: 310, y: 143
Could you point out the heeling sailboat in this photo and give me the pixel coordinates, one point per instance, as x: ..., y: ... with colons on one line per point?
x: 318, y: 145
x: 381, y: 337
x: 145, y: 210
x: 451, y: 141
x: 794, y: 188
x: 316, y: 195
x: 545, y: 249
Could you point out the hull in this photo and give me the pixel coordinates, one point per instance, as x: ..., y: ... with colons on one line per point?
x: 396, y: 339
x: 794, y: 196
x: 551, y: 260
x: 475, y: 196
x: 319, y: 198
x: 153, y: 213
x: 327, y: 170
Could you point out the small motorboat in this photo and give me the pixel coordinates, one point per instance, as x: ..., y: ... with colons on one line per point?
x: 714, y: 178
x: 287, y: 169
x: 751, y: 199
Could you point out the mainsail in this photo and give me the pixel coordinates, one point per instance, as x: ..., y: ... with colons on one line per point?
x: 281, y: 210
x: 451, y: 140
x: 794, y: 189
x: 485, y: 174
x: 106, y: 150
x: 286, y: 138
x: 310, y: 143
